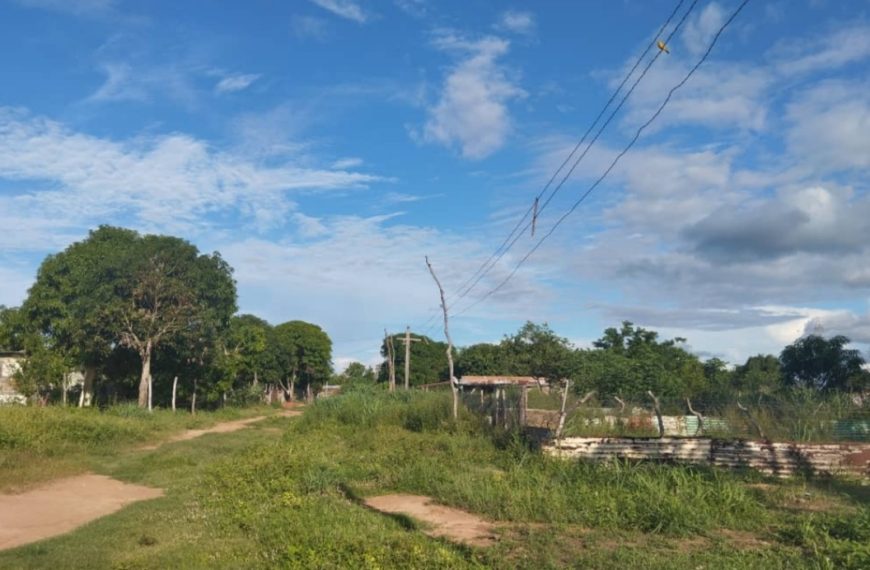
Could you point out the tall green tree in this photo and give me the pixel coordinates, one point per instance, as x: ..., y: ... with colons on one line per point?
x: 484, y: 359
x: 823, y: 364
x: 304, y: 351
x: 535, y: 350
x: 117, y: 288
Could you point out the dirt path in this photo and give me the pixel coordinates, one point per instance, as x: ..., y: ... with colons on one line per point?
x: 64, y: 505
x: 446, y: 522
x: 224, y: 427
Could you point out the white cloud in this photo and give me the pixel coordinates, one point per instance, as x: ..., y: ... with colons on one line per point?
x: 829, y: 126
x: 516, y: 21
x: 305, y: 27
x: 237, y: 82
x: 824, y: 52
x: 472, y: 108
x: 159, y: 181
x: 345, y: 9
x: 126, y: 82
x: 345, y: 163
x: 700, y: 29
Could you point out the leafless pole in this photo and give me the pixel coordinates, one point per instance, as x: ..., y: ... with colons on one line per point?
x: 453, y: 382
x: 697, y: 415
x: 658, y: 411
x: 752, y: 421
x: 407, y: 341
x: 174, y: 392
x: 562, y: 414
x: 391, y: 360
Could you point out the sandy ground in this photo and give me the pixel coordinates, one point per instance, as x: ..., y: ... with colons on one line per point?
x: 225, y: 427
x: 442, y: 521
x: 64, y: 505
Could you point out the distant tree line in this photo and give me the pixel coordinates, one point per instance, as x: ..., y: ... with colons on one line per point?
x: 143, y: 316
x: 628, y: 361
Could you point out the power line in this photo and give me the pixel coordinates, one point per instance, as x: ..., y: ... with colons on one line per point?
x: 485, y: 267
x: 615, y: 160
x: 595, y: 138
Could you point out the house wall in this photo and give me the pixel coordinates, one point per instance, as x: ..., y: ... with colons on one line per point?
x: 9, y: 365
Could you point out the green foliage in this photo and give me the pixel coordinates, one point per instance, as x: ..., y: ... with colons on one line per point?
x: 304, y: 352
x: 428, y: 360
x: 482, y: 360
x: 823, y: 364
x: 535, y: 350
x: 355, y: 373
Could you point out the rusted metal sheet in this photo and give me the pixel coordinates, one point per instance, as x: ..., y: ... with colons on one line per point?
x: 781, y: 459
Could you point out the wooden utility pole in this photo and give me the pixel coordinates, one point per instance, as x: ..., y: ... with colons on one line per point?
x: 407, y: 342
x: 454, y: 383
x: 391, y: 360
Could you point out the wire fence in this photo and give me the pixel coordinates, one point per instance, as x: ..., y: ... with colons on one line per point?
x: 793, y: 416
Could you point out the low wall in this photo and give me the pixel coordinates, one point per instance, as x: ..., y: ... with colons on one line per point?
x: 780, y: 459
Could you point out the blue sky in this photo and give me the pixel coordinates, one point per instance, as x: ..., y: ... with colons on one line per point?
x: 324, y: 147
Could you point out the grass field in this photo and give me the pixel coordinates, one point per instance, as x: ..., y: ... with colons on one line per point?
x: 291, y: 498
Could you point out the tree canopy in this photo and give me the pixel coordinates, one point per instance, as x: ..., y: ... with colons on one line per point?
x: 823, y: 364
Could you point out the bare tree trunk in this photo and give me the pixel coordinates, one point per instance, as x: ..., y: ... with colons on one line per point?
x: 309, y: 397
x: 391, y: 360
x: 150, y: 392
x: 256, y: 381
x: 193, y: 399
x: 145, y: 354
x: 752, y: 421
x: 621, y: 404
x: 64, y: 387
x: 174, y: 392
x: 454, y: 383
x: 87, y: 396
x: 658, y: 410
x: 697, y: 415
x: 562, y: 414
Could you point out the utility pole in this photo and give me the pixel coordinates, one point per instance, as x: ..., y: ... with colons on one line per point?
x: 391, y: 360
x: 407, y: 342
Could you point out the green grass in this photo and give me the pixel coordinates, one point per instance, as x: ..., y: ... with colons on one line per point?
x: 38, y: 444
x: 260, y: 499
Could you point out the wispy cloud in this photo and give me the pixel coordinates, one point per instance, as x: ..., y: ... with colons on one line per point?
x: 309, y: 27
x: 349, y: 162
x: 236, y: 82
x: 347, y: 9
x: 472, y: 109
x: 75, y: 7
x: 516, y: 21
x: 162, y: 181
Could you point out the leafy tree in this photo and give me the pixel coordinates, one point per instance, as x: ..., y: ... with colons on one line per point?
x: 631, y: 360
x: 119, y: 289
x: 12, y: 329
x: 535, y: 350
x: 41, y: 372
x: 760, y: 375
x: 428, y: 360
x: 245, y: 345
x: 356, y: 373
x: 304, y: 353
x: 822, y: 364
x: 75, y: 295
x: 483, y: 360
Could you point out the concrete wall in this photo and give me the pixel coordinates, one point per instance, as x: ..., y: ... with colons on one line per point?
x: 9, y: 365
x: 780, y: 459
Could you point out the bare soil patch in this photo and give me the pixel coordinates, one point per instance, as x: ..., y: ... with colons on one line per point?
x: 63, y: 505
x: 441, y: 521
x: 224, y: 427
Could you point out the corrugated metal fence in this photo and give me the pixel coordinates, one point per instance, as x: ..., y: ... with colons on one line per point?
x: 780, y: 459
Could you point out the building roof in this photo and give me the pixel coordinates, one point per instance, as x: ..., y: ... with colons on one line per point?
x: 498, y: 381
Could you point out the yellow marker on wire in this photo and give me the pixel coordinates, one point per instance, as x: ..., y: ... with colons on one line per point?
x: 661, y: 45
